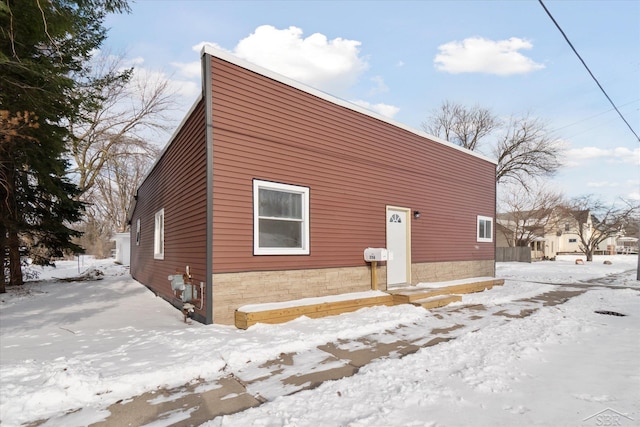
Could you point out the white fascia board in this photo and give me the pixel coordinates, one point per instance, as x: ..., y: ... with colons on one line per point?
x: 226, y: 56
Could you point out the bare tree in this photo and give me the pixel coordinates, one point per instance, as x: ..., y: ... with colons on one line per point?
x: 111, y: 148
x: 526, y: 151
x: 526, y: 214
x: 460, y: 125
x: 110, y: 197
x: 596, y: 221
x: 130, y: 107
x: 118, y: 183
x: 523, y: 146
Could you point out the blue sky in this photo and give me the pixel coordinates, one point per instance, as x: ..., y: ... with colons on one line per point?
x: 403, y: 59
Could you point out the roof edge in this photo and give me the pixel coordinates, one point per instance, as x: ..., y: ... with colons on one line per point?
x: 229, y: 57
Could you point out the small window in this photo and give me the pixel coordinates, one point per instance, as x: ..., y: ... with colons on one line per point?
x: 567, y: 227
x: 280, y: 219
x: 138, y: 232
x: 573, y: 240
x: 158, y: 238
x: 485, y: 229
x: 395, y: 218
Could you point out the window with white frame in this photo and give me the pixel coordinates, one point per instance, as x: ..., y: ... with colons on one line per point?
x: 280, y: 219
x: 158, y: 235
x: 485, y: 229
x: 138, y: 232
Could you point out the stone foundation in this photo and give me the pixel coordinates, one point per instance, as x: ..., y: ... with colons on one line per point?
x: 452, y: 270
x: 233, y: 290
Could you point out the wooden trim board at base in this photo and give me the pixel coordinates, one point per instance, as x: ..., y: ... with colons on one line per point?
x: 281, y: 315
x: 422, y: 296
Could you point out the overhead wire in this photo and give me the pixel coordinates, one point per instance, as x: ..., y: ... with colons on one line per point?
x: 587, y: 68
x: 595, y: 115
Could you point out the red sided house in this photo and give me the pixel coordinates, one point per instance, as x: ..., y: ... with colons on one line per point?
x: 270, y: 191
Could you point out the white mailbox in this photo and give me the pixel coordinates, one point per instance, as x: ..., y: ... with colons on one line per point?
x: 375, y: 254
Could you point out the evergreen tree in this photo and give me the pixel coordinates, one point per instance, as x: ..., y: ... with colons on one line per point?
x: 45, y: 46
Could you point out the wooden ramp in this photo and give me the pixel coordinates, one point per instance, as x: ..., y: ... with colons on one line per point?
x: 431, y: 295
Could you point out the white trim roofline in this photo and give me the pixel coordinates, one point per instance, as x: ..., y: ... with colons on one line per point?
x: 226, y: 56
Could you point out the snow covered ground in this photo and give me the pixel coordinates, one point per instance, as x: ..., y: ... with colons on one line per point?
x: 66, y: 346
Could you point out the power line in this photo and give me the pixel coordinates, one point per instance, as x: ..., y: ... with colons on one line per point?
x: 594, y: 116
x: 590, y: 73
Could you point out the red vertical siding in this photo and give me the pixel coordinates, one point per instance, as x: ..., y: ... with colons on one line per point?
x: 354, y: 165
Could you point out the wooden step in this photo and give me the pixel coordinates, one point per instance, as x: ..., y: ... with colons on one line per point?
x: 437, y: 301
x: 464, y: 288
x: 409, y: 295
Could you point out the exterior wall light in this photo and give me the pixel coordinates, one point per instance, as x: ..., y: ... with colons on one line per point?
x: 416, y: 214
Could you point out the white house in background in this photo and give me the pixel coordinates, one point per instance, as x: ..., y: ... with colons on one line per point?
x: 627, y: 245
x: 123, y: 248
x: 560, y: 235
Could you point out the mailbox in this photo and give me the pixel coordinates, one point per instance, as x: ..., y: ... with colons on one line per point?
x: 375, y: 254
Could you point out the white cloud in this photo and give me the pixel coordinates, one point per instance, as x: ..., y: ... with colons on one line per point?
x: 145, y: 80
x: 330, y: 65
x: 193, y: 69
x: 379, y: 86
x: 610, y: 155
x: 634, y: 184
x: 382, y: 109
x: 198, y: 47
x: 603, y: 184
x: 132, y: 62
x: 480, y: 55
x: 635, y: 195
x: 189, y: 70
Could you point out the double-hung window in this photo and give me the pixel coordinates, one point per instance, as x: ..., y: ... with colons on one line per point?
x: 158, y: 235
x: 485, y: 229
x: 280, y: 219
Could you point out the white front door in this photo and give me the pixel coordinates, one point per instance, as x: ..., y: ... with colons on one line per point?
x: 399, y: 246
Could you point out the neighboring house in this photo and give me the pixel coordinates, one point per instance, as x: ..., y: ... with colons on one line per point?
x: 123, y: 248
x: 553, y: 235
x: 270, y: 191
x: 547, y: 234
x: 627, y: 245
x: 567, y: 238
x: 523, y: 229
x: 505, y: 235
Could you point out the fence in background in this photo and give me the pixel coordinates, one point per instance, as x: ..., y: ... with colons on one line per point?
x: 517, y: 254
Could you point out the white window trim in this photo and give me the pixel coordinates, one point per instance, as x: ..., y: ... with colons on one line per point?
x: 304, y: 191
x: 484, y: 239
x: 138, y: 232
x: 158, y: 235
